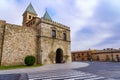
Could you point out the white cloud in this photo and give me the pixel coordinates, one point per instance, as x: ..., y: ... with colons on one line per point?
x: 77, y: 14
x: 73, y: 14
x: 86, y: 7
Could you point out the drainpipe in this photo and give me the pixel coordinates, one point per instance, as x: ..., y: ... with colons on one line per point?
x: 3, y: 35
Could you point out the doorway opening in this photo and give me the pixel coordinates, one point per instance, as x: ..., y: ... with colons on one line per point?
x: 59, y: 55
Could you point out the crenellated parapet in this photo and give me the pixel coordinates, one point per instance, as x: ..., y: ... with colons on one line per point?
x: 2, y: 23
x: 12, y: 25
x: 54, y: 23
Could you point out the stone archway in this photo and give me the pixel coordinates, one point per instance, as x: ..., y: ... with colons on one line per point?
x: 59, y: 55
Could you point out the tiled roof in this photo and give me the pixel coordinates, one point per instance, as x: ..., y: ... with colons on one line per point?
x: 30, y: 9
x: 47, y: 16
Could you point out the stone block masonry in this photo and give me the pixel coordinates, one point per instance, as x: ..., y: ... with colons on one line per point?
x: 18, y: 43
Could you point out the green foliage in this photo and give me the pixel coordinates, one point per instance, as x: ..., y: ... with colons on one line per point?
x: 29, y: 60
x: 18, y: 67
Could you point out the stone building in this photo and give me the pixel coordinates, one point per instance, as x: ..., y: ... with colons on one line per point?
x: 43, y: 38
x: 81, y: 55
x: 108, y: 54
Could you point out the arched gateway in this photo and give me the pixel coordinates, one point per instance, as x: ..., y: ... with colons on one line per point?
x: 59, y: 55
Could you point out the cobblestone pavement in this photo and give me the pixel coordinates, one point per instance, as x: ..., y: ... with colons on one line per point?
x: 65, y: 75
x: 105, y: 69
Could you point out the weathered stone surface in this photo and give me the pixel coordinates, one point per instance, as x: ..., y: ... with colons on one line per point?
x: 14, y: 77
x: 2, y: 24
x: 21, y: 41
x: 49, y: 44
x: 18, y: 43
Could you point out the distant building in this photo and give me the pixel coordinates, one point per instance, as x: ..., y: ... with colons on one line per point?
x: 108, y: 54
x: 81, y: 55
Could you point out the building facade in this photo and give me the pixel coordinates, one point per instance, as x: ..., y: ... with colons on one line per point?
x: 43, y: 38
x: 108, y: 54
x: 81, y: 55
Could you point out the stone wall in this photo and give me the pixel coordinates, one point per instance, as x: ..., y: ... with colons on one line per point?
x: 18, y: 43
x: 49, y: 44
x: 2, y: 24
x: 36, y: 40
x: 1, y: 39
x: 103, y: 56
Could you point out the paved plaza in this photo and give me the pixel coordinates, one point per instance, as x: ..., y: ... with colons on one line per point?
x: 65, y: 75
x: 106, y: 69
x: 46, y: 68
x: 72, y: 71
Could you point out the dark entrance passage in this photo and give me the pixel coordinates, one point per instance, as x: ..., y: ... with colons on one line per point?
x: 59, y: 56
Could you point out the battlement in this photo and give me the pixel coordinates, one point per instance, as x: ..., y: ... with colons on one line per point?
x: 12, y: 25
x: 2, y: 22
x: 20, y: 29
x: 55, y: 23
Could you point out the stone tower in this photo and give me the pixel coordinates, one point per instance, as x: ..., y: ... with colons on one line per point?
x: 54, y: 41
x: 29, y: 14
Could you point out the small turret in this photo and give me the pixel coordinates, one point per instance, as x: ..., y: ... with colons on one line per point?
x: 47, y: 16
x: 29, y: 14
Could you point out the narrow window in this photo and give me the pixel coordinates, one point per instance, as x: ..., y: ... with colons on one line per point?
x: 64, y: 36
x: 29, y: 17
x: 54, y: 33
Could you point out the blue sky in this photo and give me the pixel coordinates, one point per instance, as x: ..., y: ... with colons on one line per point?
x: 94, y: 24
